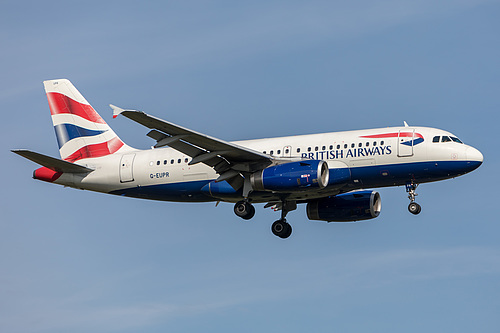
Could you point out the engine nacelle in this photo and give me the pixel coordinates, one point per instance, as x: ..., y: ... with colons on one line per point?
x: 347, y: 207
x: 292, y: 176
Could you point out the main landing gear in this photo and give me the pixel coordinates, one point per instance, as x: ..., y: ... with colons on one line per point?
x: 244, y: 209
x: 413, y: 207
x: 281, y: 227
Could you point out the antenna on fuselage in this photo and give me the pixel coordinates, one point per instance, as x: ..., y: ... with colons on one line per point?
x: 406, y: 124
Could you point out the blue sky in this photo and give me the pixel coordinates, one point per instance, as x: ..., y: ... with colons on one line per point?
x: 77, y: 261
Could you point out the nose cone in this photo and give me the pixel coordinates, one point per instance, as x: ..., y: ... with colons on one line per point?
x: 474, y: 155
x: 474, y: 158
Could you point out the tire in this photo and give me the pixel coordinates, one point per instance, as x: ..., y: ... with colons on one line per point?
x: 414, y: 208
x: 288, y: 231
x: 281, y: 229
x: 244, y: 209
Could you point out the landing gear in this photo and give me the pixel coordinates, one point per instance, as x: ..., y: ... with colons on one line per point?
x: 413, y: 207
x: 281, y: 228
x: 244, y: 209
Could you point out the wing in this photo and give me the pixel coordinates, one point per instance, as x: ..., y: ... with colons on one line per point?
x: 52, y: 163
x: 229, y: 160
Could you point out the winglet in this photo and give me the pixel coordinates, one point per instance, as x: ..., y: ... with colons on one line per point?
x: 116, y: 110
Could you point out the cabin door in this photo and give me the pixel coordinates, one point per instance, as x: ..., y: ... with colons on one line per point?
x: 126, y: 168
x: 405, y: 142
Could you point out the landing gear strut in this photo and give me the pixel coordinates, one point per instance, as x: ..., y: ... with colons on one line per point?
x: 413, y: 207
x: 281, y: 227
x: 244, y: 209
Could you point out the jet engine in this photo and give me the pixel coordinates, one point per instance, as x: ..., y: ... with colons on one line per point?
x: 292, y: 176
x: 346, y: 207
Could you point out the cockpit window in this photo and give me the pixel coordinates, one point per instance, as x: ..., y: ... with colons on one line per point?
x: 446, y: 139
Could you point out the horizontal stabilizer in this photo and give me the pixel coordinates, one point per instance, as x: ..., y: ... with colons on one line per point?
x: 52, y: 163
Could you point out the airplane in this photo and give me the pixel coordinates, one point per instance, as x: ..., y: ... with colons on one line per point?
x: 329, y: 172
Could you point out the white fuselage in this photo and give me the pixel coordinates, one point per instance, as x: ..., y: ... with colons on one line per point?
x: 372, y: 158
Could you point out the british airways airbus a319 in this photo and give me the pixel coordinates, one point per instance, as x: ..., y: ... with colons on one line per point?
x: 328, y: 172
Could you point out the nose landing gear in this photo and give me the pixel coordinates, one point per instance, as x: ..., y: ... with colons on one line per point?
x: 413, y: 207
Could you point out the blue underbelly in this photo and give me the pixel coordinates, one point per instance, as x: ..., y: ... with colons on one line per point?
x: 360, y: 177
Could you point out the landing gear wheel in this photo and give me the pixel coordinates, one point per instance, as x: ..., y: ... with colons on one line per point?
x: 281, y: 229
x: 244, y: 209
x: 414, y: 208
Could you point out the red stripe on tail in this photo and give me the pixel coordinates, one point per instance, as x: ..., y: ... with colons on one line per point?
x: 96, y: 150
x: 60, y: 103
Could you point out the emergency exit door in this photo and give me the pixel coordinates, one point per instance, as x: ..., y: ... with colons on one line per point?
x: 287, y: 151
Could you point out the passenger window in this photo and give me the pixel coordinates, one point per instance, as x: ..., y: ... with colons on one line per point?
x: 445, y: 139
x: 179, y: 160
x: 165, y: 162
x: 374, y: 143
x: 345, y: 145
x: 323, y: 148
x: 172, y: 161
x: 316, y: 148
x: 298, y: 150
x: 360, y: 144
x: 308, y: 148
x: 436, y: 138
x: 287, y: 151
x: 264, y: 152
x: 331, y: 147
x: 157, y: 162
x: 271, y: 152
x: 352, y: 145
x: 381, y: 143
x: 185, y: 160
x: 338, y: 146
x: 367, y: 144
x: 278, y: 152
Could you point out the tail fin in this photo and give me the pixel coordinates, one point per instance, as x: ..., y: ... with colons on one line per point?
x: 80, y: 130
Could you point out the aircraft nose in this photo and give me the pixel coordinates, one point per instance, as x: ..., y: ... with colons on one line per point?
x: 474, y: 155
x: 474, y: 158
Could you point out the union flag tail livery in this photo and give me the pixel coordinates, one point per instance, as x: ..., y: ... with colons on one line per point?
x: 81, y: 132
x: 327, y: 172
